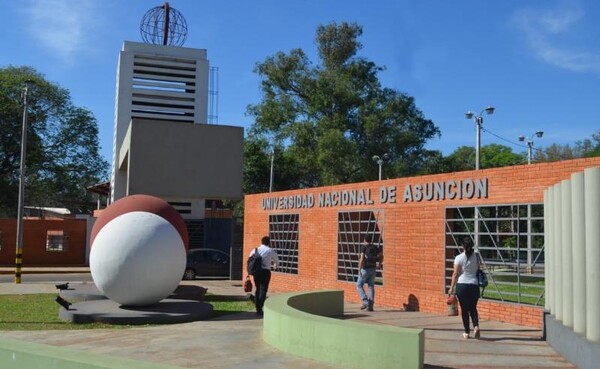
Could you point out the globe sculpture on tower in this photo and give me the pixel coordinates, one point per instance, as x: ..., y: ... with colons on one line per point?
x: 138, y: 250
x: 163, y: 25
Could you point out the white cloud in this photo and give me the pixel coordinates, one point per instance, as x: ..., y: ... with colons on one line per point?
x: 553, y: 35
x: 62, y: 27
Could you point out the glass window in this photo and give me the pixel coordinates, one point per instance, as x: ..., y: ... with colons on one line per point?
x: 56, y: 240
x: 510, y: 240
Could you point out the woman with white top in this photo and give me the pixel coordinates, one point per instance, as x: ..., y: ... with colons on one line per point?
x: 465, y: 280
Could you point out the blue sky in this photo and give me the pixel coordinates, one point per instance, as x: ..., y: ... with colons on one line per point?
x: 537, y: 62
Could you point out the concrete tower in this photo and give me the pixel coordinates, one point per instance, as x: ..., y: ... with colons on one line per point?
x: 157, y: 82
x: 162, y: 144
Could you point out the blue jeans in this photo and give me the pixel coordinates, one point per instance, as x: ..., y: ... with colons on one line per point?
x: 366, y: 276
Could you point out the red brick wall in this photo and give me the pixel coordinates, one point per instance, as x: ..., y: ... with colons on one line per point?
x: 34, y: 242
x: 413, y: 237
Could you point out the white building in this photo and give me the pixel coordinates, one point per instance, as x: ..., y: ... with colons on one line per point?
x: 162, y: 144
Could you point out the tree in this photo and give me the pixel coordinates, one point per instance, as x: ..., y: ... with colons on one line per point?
x: 582, y: 149
x: 554, y: 152
x: 491, y: 156
x: 496, y: 156
x: 62, y: 157
x: 595, y: 151
x: 328, y: 120
x: 463, y: 158
x: 434, y: 163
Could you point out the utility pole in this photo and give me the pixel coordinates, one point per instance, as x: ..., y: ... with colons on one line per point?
x: 19, y: 251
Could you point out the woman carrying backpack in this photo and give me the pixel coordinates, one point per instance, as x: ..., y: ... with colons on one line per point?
x: 464, y: 278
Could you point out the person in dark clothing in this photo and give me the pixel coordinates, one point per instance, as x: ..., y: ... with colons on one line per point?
x: 370, y: 255
x: 263, y: 277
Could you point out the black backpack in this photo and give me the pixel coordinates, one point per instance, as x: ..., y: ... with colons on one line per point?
x: 371, y: 256
x: 254, y: 264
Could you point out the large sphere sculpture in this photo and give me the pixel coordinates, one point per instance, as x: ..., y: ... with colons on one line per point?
x: 137, y: 257
x: 147, y: 203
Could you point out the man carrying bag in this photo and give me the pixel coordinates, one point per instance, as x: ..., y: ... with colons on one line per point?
x: 265, y: 257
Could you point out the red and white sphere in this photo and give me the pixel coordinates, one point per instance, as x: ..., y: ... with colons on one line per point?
x: 138, y: 250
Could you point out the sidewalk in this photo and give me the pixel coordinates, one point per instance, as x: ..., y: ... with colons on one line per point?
x: 43, y: 270
x: 235, y: 341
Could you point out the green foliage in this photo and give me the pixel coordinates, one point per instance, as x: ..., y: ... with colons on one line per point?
x: 326, y: 121
x: 507, y: 288
x: 35, y: 312
x: 40, y: 312
x: 463, y: 158
x: 496, y: 156
x: 585, y: 148
x: 491, y: 156
x: 62, y: 157
x: 224, y: 305
x: 256, y: 166
x: 321, y: 123
x: 595, y: 151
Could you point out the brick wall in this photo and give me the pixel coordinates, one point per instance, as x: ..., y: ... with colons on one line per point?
x: 34, y: 242
x: 414, y: 236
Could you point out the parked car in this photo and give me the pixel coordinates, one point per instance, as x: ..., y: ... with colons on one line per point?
x: 206, y: 263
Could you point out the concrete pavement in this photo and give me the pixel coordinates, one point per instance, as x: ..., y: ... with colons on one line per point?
x: 235, y: 341
x: 45, y: 270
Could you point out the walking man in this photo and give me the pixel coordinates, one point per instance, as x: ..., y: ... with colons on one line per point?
x: 263, y: 277
x: 370, y: 255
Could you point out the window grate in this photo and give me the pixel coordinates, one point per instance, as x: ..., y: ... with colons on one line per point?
x: 352, y: 226
x: 283, y: 232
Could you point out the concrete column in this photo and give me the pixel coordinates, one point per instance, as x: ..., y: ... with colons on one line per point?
x: 592, y: 252
x: 567, y: 253
x: 557, y: 247
x: 548, y: 304
x: 578, y: 241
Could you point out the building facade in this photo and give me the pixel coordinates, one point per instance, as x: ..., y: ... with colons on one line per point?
x: 156, y: 82
x: 46, y: 241
x: 163, y: 145
x: 418, y: 221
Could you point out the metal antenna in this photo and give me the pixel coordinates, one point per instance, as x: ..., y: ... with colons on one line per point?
x: 166, y: 24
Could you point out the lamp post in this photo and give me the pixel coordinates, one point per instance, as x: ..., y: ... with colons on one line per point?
x: 379, y: 160
x: 538, y: 134
x: 19, y: 251
x: 479, y: 122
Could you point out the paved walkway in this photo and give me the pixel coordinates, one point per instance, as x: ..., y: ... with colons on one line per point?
x: 235, y: 341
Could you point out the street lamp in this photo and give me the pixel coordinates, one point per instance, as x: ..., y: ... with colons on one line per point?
x: 478, y: 122
x: 19, y: 251
x: 538, y: 134
x: 379, y: 160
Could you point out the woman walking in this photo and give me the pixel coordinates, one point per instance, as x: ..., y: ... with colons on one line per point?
x: 465, y: 280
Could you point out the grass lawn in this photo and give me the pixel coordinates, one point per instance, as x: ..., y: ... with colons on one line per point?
x: 40, y: 312
x: 505, y: 288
